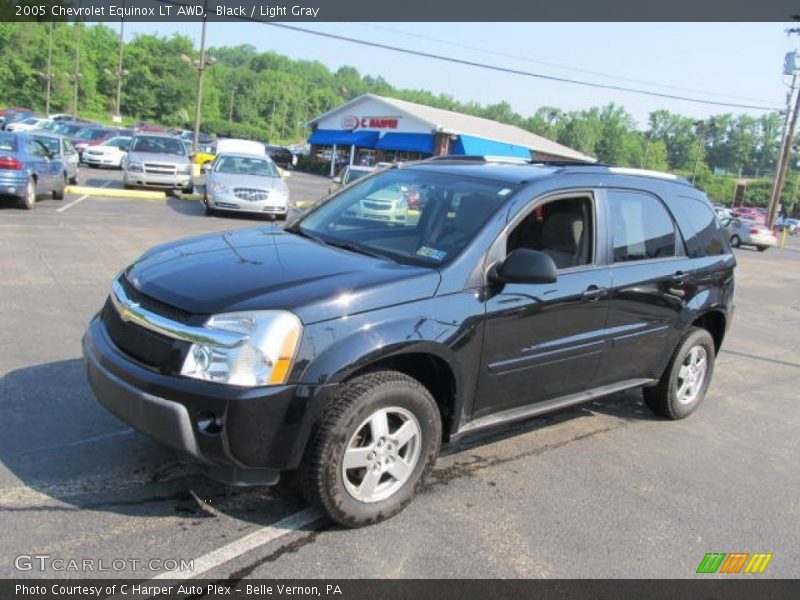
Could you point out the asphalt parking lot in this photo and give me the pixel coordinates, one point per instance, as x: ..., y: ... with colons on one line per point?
x: 605, y: 490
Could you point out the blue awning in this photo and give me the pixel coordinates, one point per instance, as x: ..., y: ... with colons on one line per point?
x: 329, y: 137
x: 469, y: 145
x: 407, y: 142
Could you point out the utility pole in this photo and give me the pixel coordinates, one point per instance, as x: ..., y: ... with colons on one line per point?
x: 198, y: 103
x: 120, y: 72
x: 230, y: 111
x: 699, y: 128
x: 647, y: 135
x: 76, y: 76
x: 49, y: 75
x: 786, y: 142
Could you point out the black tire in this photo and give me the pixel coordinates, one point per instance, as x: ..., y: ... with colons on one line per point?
x: 189, y: 190
x: 127, y: 186
x: 663, y: 398
x: 762, y: 248
x: 209, y: 210
x: 28, y: 201
x: 74, y: 180
x: 322, y: 475
x: 736, y: 241
x: 58, y: 194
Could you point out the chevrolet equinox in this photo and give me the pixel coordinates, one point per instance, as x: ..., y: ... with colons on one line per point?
x: 348, y: 346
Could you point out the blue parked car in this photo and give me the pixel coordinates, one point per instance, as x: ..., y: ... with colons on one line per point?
x: 28, y: 169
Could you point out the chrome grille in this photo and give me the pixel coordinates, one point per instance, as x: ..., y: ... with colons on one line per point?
x: 159, y: 169
x: 376, y: 205
x: 250, y: 195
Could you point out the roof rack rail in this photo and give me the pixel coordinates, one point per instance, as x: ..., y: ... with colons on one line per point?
x: 515, y: 160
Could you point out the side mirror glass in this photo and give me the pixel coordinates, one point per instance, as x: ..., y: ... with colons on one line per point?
x: 525, y: 266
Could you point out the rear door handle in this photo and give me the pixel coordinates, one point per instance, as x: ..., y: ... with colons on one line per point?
x: 593, y: 292
x: 680, y: 277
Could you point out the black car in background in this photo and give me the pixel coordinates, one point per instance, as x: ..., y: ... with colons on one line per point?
x: 350, y: 345
x: 281, y: 156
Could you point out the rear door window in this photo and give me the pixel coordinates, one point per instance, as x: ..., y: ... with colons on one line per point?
x: 641, y: 227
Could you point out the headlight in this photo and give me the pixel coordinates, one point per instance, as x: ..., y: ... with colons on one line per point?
x: 264, y: 357
x: 134, y: 167
x: 217, y: 187
x: 184, y: 169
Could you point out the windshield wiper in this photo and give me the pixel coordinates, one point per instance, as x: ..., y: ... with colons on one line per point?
x: 358, y: 248
x: 297, y: 230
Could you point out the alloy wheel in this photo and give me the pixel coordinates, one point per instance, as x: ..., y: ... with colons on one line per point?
x: 692, y: 375
x: 382, y: 454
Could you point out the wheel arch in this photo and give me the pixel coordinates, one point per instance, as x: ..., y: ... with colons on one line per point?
x: 715, y: 322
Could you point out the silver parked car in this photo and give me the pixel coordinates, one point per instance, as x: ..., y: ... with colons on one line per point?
x: 245, y: 183
x: 157, y: 161
x: 60, y: 147
x: 746, y: 232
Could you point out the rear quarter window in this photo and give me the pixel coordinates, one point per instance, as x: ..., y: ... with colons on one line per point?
x: 699, y: 225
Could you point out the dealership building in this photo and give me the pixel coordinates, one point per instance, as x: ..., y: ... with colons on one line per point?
x: 370, y: 129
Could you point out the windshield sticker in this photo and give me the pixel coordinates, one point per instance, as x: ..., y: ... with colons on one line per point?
x: 504, y: 192
x: 432, y: 253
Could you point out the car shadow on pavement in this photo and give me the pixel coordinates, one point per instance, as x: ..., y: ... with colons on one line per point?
x: 70, y: 454
x: 191, y: 207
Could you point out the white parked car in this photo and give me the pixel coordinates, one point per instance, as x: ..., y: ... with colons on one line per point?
x: 744, y: 232
x: 28, y: 124
x: 108, y: 154
x: 791, y: 225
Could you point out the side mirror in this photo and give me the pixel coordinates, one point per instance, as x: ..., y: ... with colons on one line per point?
x: 525, y: 266
x: 206, y: 168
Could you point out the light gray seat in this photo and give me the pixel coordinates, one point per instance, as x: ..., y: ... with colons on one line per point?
x: 562, y: 234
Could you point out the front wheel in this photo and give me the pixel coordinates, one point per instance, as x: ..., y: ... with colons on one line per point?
x: 58, y: 193
x: 372, y: 449
x: 736, y: 241
x: 683, y: 385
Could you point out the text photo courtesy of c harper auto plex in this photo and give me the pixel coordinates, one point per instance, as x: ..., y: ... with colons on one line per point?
x: 377, y: 300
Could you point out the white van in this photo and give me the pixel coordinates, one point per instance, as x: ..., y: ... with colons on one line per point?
x: 235, y: 146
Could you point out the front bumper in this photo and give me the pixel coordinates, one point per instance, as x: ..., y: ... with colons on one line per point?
x: 257, y: 433
x: 13, y: 182
x: 228, y: 201
x: 101, y: 160
x: 158, y: 181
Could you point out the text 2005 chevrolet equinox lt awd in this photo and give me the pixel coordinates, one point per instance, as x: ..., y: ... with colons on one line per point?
x: 348, y: 346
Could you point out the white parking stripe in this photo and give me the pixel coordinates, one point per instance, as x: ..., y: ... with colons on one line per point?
x: 254, y: 540
x: 79, y: 200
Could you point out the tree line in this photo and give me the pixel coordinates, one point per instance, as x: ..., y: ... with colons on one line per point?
x: 268, y: 96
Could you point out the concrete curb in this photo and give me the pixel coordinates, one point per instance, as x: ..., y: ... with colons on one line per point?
x: 113, y: 192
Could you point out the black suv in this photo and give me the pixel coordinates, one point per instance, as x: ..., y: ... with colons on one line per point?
x: 348, y: 346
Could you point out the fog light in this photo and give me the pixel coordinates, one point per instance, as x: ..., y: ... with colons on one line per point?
x: 209, y: 423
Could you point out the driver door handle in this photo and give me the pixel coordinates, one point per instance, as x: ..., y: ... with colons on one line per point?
x: 593, y: 293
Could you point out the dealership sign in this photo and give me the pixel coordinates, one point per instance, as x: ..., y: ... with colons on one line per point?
x: 351, y: 122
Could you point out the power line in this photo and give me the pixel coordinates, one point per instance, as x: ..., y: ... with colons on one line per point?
x: 470, y: 63
x: 557, y: 65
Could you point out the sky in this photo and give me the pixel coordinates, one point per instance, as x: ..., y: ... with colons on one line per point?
x: 729, y: 62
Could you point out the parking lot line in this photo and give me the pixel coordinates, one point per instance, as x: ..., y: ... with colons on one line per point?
x: 254, y: 540
x: 79, y: 200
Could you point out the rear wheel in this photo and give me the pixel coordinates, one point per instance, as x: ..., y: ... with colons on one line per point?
x: 683, y: 385
x: 74, y: 180
x: 762, y: 248
x: 736, y: 241
x: 372, y: 449
x: 29, y: 199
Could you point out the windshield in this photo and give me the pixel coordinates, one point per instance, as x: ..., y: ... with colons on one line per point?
x: 241, y: 165
x: 407, y: 215
x: 119, y: 142
x: 92, y: 134
x: 51, y: 143
x: 158, y: 145
x: 31, y: 121
x: 8, y: 142
x: 69, y: 129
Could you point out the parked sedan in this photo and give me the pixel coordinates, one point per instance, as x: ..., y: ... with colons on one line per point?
x: 747, y: 232
x: 790, y: 225
x: 28, y: 169
x: 281, y: 156
x: 349, y: 174
x: 60, y: 147
x: 245, y: 183
x: 108, y: 154
x: 92, y: 136
x: 28, y: 124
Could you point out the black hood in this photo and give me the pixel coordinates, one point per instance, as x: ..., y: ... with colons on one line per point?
x: 267, y: 268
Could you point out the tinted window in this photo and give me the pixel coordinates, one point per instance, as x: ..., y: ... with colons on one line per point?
x: 50, y: 143
x: 641, y: 227
x: 699, y: 226
x: 407, y: 215
x: 159, y: 145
